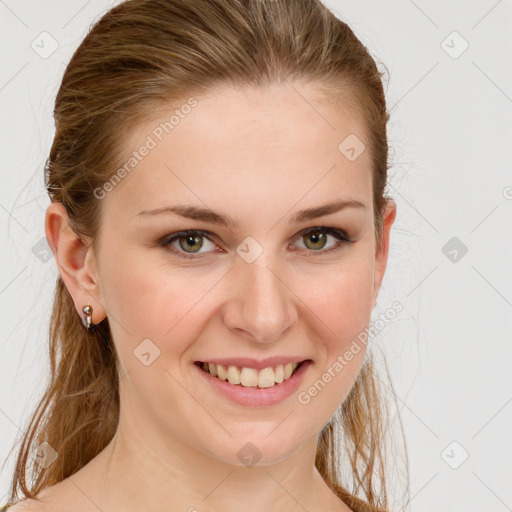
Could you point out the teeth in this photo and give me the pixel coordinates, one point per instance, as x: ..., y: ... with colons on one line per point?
x: 212, y: 369
x: 233, y: 375
x: 221, y: 372
x: 250, y: 377
x: 279, y: 373
x: 288, y: 369
x: 266, y: 378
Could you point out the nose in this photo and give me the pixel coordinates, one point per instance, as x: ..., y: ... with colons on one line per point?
x: 261, y: 305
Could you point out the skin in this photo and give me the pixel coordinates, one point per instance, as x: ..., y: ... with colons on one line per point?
x: 258, y: 155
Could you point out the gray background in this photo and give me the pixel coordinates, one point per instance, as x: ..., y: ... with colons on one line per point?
x: 449, y: 351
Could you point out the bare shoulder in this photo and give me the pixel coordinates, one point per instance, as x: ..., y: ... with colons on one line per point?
x: 55, y: 498
x: 39, y: 504
x: 27, y: 505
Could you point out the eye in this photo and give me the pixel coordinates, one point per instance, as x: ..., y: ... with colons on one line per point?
x: 192, y: 239
x: 317, y: 235
x: 190, y: 242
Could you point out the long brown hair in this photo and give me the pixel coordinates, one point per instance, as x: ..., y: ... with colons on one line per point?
x: 140, y: 55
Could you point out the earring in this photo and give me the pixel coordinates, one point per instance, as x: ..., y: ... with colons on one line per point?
x: 88, y: 316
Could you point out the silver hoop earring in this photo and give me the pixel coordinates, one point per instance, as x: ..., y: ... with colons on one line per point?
x: 87, y: 321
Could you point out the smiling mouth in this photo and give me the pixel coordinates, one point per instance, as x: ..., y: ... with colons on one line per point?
x: 251, y: 377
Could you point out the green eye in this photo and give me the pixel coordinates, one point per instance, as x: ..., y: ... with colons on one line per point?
x: 190, y: 242
x: 319, y: 240
x: 318, y: 236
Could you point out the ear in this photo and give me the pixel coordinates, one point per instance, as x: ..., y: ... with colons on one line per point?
x: 381, y: 254
x: 75, y: 261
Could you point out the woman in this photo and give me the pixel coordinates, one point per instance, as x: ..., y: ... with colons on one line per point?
x: 219, y: 224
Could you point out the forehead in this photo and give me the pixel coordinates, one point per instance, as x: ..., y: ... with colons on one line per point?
x: 249, y: 146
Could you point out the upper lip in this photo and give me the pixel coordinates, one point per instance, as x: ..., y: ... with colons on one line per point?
x: 257, y: 364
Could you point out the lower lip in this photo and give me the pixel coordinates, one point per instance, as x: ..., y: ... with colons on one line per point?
x: 254, y: 396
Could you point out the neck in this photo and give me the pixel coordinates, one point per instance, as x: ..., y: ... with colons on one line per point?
x: 137, y: 472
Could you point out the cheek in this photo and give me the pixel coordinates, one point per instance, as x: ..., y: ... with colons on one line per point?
x: 340, y: 298
x: 156, y: 301
x: 339, y: 312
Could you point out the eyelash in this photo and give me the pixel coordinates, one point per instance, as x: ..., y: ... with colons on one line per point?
x: 340, y: 235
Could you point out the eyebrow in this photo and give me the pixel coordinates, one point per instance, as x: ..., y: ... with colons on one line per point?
x: 207, y: 215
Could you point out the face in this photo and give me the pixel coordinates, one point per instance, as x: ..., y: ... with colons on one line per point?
x: 257, y: 288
